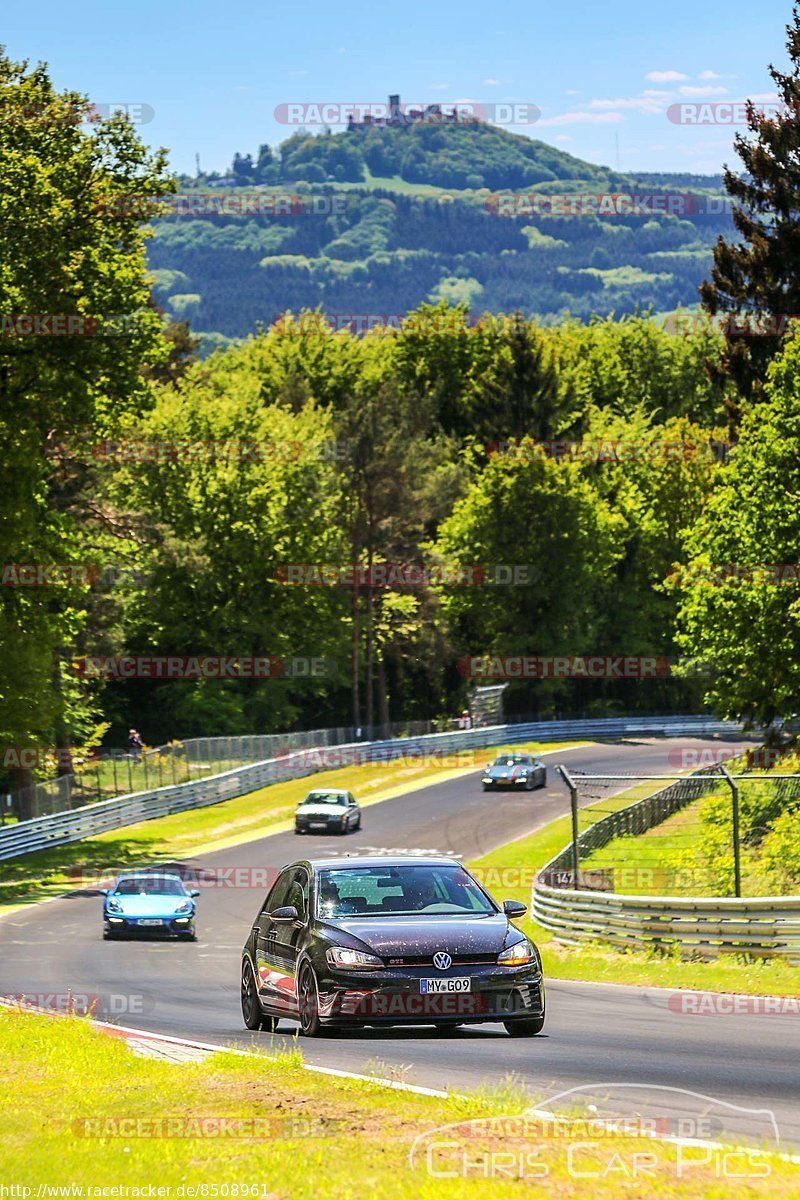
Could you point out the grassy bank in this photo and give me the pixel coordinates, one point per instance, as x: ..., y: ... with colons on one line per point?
x: 268, y: 810
x: 100, y: 1117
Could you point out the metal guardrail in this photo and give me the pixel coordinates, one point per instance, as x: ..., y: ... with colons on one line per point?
x: 47, y: 832
x: 701, y: 926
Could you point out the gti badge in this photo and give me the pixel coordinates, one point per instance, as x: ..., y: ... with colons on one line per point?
x: 442, y: 960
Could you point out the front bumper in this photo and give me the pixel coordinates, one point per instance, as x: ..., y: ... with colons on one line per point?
x: 320, y: 825
x: 506, y: 783
x: 394, y: 997
x: 170, y: 926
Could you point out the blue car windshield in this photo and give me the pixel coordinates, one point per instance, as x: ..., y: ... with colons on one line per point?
x: 413, y: 890
x: 149, y: 887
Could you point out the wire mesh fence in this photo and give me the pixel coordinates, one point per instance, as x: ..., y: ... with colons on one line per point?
x: 108, y: 773
x: 709, y: 834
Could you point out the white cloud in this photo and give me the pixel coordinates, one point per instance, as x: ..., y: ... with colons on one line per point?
x: 644, y: 104
x: 564, y: 139
x: 710, y: 75
x: 665, y: 76
x: 583, y: 118
x: 707, y: 89
x: 494, y: 82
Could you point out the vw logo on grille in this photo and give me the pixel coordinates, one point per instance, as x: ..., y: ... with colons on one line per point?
x: 442, y: 960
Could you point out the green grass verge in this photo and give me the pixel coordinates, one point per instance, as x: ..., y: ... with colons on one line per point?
x: 49, y: 873
x: 96, y: 1118
x: 508, y: 872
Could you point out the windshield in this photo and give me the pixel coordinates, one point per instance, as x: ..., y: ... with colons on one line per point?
x: 149, y: 887
x: 354, y: 891
x: 325, y: 798
x: 512, y: 760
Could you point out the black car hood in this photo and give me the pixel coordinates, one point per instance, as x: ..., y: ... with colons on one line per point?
x: 413, y: 936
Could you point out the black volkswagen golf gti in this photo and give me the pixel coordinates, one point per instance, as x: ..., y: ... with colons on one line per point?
x: 388, y: 941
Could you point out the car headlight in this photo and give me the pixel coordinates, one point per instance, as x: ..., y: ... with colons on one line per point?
x: 185, y: 907
x: 340, y: 956
x: 518, y: 954
x: 113, y: 906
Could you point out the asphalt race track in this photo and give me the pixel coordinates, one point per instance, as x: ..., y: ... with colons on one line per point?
x: 618, y: 1043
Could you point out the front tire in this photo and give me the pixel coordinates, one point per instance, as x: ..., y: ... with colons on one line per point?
x: 308, y: 1002
x: 526, y: 1028
x: 252, y: 1013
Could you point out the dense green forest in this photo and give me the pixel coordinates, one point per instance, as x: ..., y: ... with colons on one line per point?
x: 389, y: 518
x: 377, y: 221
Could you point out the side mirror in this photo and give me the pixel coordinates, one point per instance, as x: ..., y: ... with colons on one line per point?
x: 284, y: 915
x: 194, y: 892
x: 103, y: 891
x: 514, y: 908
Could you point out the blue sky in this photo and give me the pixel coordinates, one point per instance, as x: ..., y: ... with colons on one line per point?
x: 603, y: 75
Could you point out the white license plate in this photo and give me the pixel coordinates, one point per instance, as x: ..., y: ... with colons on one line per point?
x: 456, y: 983
x: 318, y: 825
x: 152, y: 921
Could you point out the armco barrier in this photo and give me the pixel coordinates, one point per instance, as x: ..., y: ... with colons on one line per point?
x: 45, y: 833
x: 700, y: 926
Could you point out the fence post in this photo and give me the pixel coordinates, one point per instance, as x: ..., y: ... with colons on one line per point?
x: 573, y: 802
x: 737, y: 854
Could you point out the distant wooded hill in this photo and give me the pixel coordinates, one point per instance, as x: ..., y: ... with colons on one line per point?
x: 378, y: 220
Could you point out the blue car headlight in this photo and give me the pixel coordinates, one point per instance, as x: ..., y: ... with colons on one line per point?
x: 113, y: 906
x: 186, y: 907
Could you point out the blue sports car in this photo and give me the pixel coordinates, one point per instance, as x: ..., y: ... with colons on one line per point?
x: 513, y: 771
x: 148, y: 903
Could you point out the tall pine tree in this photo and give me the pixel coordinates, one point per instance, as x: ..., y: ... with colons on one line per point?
x: 758, y: 278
